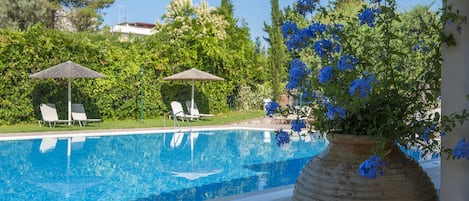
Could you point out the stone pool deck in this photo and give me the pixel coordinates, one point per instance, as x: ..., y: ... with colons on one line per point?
x: 282, y: 193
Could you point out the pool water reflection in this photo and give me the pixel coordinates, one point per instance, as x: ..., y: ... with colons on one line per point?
x: 165, y: 166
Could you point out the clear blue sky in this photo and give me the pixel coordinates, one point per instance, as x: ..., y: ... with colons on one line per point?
x: 254, y: 12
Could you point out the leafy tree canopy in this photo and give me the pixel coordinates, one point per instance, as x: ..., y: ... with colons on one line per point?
x: 69, y: 15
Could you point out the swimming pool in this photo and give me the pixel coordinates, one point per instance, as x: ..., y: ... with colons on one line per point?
x: 195, y: 165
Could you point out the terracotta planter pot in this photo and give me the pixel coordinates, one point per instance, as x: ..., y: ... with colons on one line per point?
x: 333, y: 175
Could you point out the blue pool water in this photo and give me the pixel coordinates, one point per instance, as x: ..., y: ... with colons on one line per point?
x: 166, y: 166
x: 418, y: 155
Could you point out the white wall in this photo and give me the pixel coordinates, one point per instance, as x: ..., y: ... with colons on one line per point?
x: 455, y: 87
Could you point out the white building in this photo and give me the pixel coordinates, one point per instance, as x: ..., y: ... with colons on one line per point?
x: 127, y: 29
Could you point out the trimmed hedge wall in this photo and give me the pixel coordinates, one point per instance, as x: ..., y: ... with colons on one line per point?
x: 118, y: 97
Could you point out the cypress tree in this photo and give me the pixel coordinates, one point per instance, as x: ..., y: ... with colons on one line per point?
x: 277, y: 50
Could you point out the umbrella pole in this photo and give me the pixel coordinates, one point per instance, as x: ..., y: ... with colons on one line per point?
x: 192, y: 98
x: 69, y: 101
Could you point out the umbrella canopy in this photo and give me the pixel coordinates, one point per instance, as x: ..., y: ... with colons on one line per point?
x: 192, y: 75
x: 68, y: 70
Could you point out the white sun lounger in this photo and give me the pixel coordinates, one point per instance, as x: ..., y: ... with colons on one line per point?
x: 79, y: 115
x: 178, y: 112
x: 195, y: 111
x: 49, y: 115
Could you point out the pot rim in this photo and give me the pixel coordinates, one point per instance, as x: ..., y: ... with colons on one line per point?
x: 351, y: 139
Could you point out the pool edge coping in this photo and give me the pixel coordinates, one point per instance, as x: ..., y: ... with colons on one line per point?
x: 116, y: 132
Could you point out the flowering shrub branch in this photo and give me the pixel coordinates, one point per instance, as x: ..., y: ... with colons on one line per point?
x: 363, y: 75
x: 450, y: 17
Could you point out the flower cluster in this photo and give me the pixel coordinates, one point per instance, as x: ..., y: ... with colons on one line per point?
x: 352, y: 73
x: 297, y: 125
x: 282, y: 138
x: 332, y: 111
x: 297, y: 72
x: 461, y: 150
x: 368, y: 16
x: 363, y: 85
x: 371, y: 167
x: 271, y: 108
x: 304, y: 5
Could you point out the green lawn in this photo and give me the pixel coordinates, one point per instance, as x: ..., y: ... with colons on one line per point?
x: 219, y: 119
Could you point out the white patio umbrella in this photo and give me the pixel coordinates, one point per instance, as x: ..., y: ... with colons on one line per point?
x: 68, y: 70
x: 193, y: 75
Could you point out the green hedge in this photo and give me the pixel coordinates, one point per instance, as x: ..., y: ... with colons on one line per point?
x: 118, y: 97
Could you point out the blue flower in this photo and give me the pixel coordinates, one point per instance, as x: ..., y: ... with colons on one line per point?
x: 296, y: 42
x: 323, y: 46
x: 271, y: 108
x: 333, y: 110
x: 282, y: 138
x: 362, y: 84
x: 325, y: 74
x: 297, y: 39
x: 330, y: 112
x: 296, y: 74
x: 289, y: 28
x: 297, y: 125
x: 442, y: 133
x: 368, y: 16
x: 347, y: 63
x: 371, y: 167
x: 340, y: 111
x: 305, y: 6
x: 422, y: 47
x: 315, y: 28
x: 461, y: 150
x: 425, y: 134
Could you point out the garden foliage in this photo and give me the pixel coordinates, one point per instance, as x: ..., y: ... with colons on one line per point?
x: 232, y: 57
x: 370, y: 73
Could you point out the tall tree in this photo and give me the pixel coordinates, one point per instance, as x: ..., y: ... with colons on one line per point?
x: 21, y: 14
x: 277, y: 51
x: 71, y: 15
x: 226, y: 9
x: 238, y: 41
x: 85, y: 15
